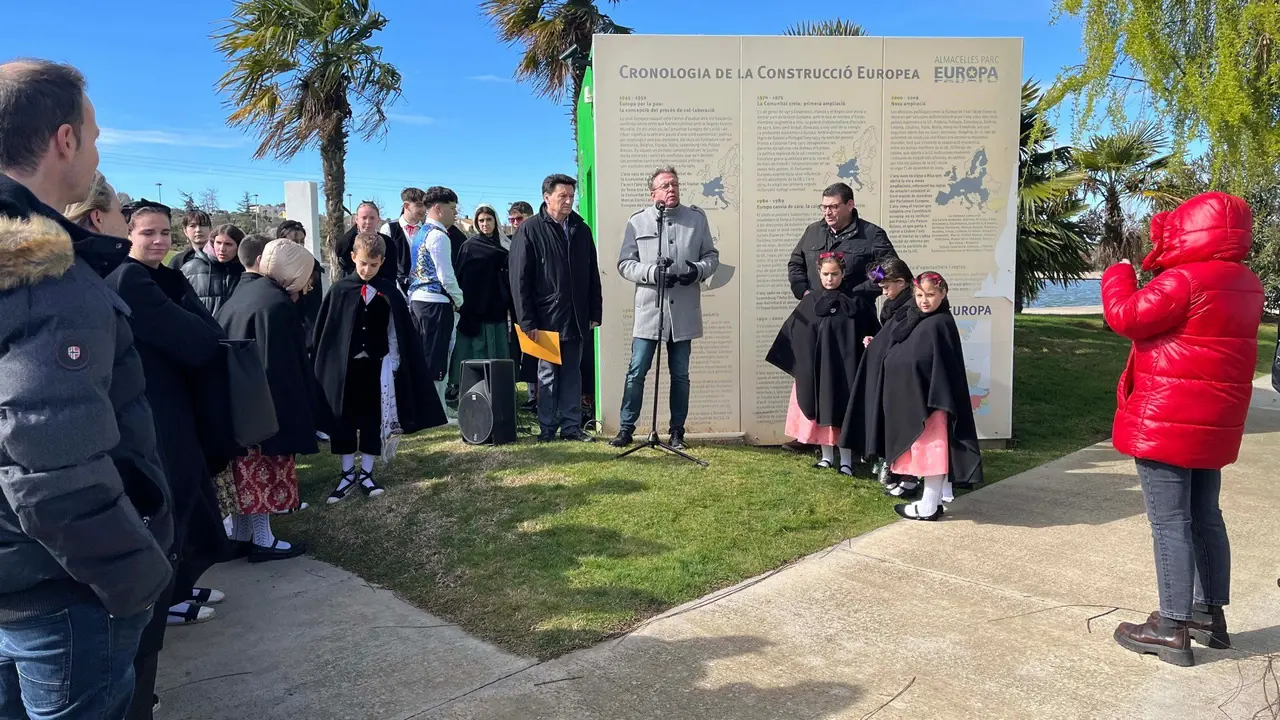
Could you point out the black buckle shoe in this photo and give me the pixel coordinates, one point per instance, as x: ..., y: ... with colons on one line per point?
x: 622, y: 439
x: 260, y: 554
x: 677, y: 439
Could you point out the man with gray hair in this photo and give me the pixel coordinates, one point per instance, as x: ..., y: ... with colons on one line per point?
x: 685, y: 256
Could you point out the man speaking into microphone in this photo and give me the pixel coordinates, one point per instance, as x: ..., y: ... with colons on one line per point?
x: 665, y: 243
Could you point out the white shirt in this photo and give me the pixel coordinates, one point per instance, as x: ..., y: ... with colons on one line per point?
x: 436, y: 244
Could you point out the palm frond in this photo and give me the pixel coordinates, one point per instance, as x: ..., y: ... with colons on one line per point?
x: 829, y: 28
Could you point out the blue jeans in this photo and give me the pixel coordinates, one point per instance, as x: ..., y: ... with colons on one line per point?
x: 560, y: 391
x: 76, y: 663
x: 1193, y: 556
x: 642, y: 352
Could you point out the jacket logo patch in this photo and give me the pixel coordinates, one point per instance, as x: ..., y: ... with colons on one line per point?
x: 72, y: 355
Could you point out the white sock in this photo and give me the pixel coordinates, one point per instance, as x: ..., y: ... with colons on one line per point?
x: 366, y: 463
x: 828, y: 453
x: 348, y: 462
x: 948, y: 493
x: 229, y: 525
x: 846, y: 457
x: 241, y: 528
x: 262, y: 535
x: 931, y: 497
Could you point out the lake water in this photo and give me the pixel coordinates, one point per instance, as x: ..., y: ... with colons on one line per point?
x: 1082, y: 293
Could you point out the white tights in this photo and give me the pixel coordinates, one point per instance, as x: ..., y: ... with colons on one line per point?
x: 937, y: 489
x: 829, y: 454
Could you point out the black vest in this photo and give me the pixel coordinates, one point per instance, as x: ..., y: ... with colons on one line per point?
x: 369, y: 334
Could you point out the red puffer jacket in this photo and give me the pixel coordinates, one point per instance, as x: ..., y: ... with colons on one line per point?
x: 1185, y: 392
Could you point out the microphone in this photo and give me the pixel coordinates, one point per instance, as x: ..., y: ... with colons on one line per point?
x: 661, y: 206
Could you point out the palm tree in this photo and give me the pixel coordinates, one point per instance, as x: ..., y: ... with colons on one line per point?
x: 1125, y: 168
x: 556, y: 35
x: 835, y: 27
x: 298, y: 69
x: 1051, y: 242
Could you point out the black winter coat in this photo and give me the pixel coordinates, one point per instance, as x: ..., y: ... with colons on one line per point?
x: 555, y: 281
x: 862, y: 244
x: 212, y: 281
x: 392, y: 265
x: 485, y: 280
x: 177, y: 261
x: 262, y: 311
x: 417, y: 401
x: 820, y: 346
x: 86, y: 509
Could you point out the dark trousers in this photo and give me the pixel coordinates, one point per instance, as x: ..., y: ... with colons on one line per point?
x: 1193, y: 556
x: 560, y: 391
x: 360, y: 425
x: 434, y: 323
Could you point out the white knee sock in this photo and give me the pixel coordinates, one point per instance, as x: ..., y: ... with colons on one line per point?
x: 366, y: 463
x: 348, y: 462
x: 948, y: 492
x: 828, y: 453
x: 241, y: 528
x: 931, y: 497
x: 846, y: 457
x: 262, y: 535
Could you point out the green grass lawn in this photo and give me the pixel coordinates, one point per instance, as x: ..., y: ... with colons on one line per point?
x: 547, y: 549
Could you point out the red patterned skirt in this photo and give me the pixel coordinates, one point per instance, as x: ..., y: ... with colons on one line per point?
x: 265, y: 483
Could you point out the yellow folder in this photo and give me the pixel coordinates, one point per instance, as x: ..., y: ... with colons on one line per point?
x: 547, y: 346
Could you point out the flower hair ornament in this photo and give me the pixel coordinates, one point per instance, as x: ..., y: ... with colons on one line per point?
x: 831, y: 254
x: 932, y: 278
x: 876, y: 274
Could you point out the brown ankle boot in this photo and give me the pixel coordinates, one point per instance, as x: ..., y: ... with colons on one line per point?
x: 1170, y: 645
x: 1207, y: 627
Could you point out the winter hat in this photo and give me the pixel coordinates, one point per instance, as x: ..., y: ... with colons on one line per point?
x: 288, y: 263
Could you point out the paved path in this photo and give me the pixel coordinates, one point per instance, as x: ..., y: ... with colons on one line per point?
x: 984, y: 615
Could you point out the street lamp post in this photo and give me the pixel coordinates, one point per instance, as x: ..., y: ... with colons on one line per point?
x: 159, y: 196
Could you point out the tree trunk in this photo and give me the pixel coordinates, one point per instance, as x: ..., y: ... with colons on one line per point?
x: 1113, y: 226
x: 333, y: 153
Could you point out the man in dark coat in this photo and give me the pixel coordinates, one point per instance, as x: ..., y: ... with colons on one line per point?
x: 368, y: 219
x: 555, y: 285
x: 85, y: 521
x: 839, y: 230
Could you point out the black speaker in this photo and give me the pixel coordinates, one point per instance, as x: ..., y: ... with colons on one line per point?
x: 487, y: 402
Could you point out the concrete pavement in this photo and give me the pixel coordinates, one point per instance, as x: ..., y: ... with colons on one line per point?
x: 984, y: 615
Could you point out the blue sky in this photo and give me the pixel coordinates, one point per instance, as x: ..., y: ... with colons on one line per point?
x: 461, y: 122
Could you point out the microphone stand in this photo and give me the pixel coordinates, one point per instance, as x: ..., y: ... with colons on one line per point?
x: 654, y: 441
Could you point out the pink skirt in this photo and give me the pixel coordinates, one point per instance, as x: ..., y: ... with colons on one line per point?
x: 930, y: 453
x: 805, y: 430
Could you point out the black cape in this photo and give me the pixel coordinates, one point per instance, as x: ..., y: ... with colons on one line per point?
x: 485, y: 281
x: 820, y: 346
x: 417, y: 402
x: 261, y: 310
x: 914, y: 366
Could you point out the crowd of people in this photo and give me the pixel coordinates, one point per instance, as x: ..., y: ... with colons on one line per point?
x: 126, y: 466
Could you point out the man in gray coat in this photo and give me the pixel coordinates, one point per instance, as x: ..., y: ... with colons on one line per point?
x: 687, y: 256
x: 85, y: 519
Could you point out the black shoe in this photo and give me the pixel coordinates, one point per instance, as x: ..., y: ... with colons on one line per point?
x: 908, y: 510
x: 546, y: 437
x: 905, y: 488
x: 260, y: 554
x: 577, y: 436
x: 796, y: 446
x: 622, y: 439
x: 677, y: 439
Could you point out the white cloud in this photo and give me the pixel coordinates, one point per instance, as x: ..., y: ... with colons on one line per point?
x: 116, y: 136
x: 409, y: 119
x: 490, y: 79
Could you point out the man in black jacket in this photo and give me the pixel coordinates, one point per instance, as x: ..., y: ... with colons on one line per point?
x: 85, y: 519
x: 555, y: 285
x: 839, y: 230
x: 413, y: 210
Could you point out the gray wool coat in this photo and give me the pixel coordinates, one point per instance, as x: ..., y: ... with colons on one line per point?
x: 686, y: 238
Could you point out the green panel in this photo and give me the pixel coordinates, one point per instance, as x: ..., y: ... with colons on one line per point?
x: 585, y: 115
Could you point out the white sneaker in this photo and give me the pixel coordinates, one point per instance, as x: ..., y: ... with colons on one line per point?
x: 322, y: 436
x: 188, y: 614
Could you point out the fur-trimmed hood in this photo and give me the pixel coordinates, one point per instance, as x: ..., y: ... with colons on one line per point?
x: 38, y: 243
x: 32, y: 249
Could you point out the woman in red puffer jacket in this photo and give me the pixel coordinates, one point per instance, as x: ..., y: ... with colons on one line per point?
x: 1181, y: 406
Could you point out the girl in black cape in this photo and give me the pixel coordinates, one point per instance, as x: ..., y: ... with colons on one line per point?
x: 819, y: 346
x: 894, y: 278
x: 370, y: 368
x: 917, y: 411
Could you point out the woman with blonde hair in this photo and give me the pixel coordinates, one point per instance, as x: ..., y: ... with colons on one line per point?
x: 263, y: 308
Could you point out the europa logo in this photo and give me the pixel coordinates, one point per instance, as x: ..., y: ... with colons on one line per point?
x: 965, y: 74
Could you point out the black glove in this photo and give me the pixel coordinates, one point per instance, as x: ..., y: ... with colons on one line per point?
x: 671, y: 279
x: 689, y: 276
